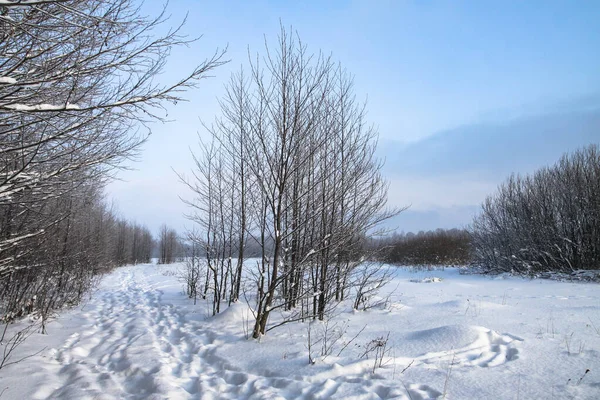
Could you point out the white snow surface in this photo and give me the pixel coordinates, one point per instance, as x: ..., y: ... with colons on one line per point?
x: 41, y: 107
x: 429, y: 279
x: 465, y: 337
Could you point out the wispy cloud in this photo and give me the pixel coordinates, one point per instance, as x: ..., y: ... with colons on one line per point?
x: 458, y: 168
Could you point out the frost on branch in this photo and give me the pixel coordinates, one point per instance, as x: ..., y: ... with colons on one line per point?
x: 79, y: 82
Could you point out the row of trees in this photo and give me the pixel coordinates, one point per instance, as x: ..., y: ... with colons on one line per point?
x: 547, y: 221
x: 77, y: 90
x: 170, y: 246
x: 60, y: 266
x: 290, y: 166
x: 439, y: 247
x: 134, y: 243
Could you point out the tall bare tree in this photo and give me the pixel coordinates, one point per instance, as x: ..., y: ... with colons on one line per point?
x: 291, y: 167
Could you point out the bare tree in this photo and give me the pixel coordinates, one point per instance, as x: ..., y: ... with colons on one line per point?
x: 78, y: 90
x: 169, y: 245
x: 290, y: 167
x: 193, y: 272
x: 77, y: 79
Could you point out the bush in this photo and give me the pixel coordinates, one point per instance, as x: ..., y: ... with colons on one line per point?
x: 548, y: 221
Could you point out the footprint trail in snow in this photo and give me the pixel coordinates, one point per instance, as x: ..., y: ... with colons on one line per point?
x: 134, y: 345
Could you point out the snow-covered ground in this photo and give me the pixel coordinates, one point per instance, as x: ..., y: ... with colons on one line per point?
x: 458, y: 337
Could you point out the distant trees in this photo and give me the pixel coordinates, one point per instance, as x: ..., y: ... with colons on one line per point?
x: 547, y: 221
x: 439, y: 247
x: 60, y: 265
x: 290, y: 167
x: 169, y: 245
x: 77, y: 83
x: 134, y: 243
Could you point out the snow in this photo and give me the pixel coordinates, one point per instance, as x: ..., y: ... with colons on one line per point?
x: 431, y: 279
x: 131, y: 100
x: 20, y: 2
x: 7, y: 80
x: 464, y: 337
x: 41, y: 107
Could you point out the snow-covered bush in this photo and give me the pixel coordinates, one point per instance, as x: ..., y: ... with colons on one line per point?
x: 547, y: 221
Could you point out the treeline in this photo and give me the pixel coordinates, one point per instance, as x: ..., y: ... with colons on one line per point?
x: 546, y: 221
x: 56, y: 267
x: 129, y: 243
x: 439, y: 247
x: 170, y: 246
x: 77, y: 89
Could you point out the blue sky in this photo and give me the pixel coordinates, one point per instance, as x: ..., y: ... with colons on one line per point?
x: 463, y: 93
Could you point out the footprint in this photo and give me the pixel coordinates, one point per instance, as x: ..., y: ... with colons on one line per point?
x: 423, y: 392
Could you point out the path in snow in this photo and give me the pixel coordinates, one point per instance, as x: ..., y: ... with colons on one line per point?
x: 135, y: 346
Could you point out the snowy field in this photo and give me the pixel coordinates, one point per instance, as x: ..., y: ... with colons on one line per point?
x: 450, y: 336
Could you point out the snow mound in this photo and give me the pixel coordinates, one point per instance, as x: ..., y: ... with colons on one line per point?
x: 451, y: 304
x: 233, y: 315
x: 445, y: 337
x: 465, y: 345
x: 433, y: 279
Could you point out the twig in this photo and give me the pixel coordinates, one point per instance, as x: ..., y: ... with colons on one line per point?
x: 407, y: 367
x: 594, y: 326
x: 24, y: 358
x: 583, y: 376
x: 351, y: 340
x: 448, y: 375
